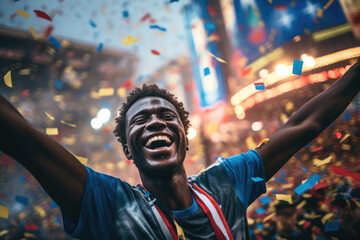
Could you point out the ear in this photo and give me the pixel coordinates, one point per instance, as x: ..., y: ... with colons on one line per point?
x: 127, y: 152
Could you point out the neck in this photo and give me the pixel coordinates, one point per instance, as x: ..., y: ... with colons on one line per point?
x: 172, y: 191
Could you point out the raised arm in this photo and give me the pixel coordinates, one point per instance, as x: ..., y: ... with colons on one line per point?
x: 57, y: 170
x: 309, y: 121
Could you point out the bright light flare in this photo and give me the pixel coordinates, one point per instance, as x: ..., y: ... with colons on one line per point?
x: 104, y: 115
x: 256, y: 126
x: 191, y: 133
x: 96, y: 123
x: 282, y: 70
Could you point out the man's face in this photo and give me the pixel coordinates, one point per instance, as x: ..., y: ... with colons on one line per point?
x: 156, y: 139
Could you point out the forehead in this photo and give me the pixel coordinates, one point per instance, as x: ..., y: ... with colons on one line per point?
x: 148, y: 104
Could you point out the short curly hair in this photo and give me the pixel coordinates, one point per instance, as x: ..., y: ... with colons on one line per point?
x: 146, y: 91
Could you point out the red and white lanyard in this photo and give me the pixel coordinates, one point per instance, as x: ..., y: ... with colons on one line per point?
x: 207, y: 203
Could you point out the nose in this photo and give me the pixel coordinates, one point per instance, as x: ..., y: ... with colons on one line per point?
x: 155, y: 123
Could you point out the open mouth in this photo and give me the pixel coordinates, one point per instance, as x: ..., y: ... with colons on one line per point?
x: 158, y: 141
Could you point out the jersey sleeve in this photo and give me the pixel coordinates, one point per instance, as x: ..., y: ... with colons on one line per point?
x: 97, y: 208
x: 241, y: 168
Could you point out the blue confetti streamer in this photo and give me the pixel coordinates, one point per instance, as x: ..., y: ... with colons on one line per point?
x: 308, y: 184
x: 259, y: 87
x: 92, y: 24
x: 158, y: 27
x: 125, y: 14
x: 257, y: 179
x: 210, y: 26
x: 280, y: 180
x: 206, y: 71
x: 297, y: 67
x: 265, y: 200
x: 304, y: 169
x: 54, y: 42
x: 171, y: 1
x: 99, y: 47
x: 260, y: 211
x: 22, y: 200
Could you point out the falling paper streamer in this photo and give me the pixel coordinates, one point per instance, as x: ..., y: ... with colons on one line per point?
x: 265, y: 141
x: 49, y: 116
x: 42, y: 14
x: 4, y: 212
x: 7, y: 79
x: 217, y: 58
x: 308, y: 184
x: 326, y: 217
x: 318, y: 162
x: 68, y: 124
x: 54, y: 42
x: 99, y: 47
x: 268, y: 217
x: 284, y: 197
x: 259, y: 86
x: 345, y: 137
x: 206, y: 71
x: 25, y: 71
x: 22, y: 200
x: 297, y: 67
x: 129, y: 40
x: 280, y: 180
x: 158, y: 27
x: 257, y: 179
x: 22, y: 13
x: 52, y: 131
x: 155, y: 52
x: 106, y: 92
x: 33, y: 33
x: 92, y: 24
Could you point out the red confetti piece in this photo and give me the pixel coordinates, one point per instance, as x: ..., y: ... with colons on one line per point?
x: 344, y: 172
x: 320, y: 185
x: 48, y: 31
x: 42, y: 14
x: 280, y: 7
x: 25, y: 93
x: 145, y: 17
x: 128, y: 84
x: 155, y: 52
x: 246, y: 71
x: 211, y: 10
x: 152, y: 21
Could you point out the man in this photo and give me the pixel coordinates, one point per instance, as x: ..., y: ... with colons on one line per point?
x: 152, y: 127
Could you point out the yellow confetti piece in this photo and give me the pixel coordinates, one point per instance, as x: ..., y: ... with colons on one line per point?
x: 268, y: 217
x: 301, y: 222
x: 40, y: 211
x: 49, y: 116
x: 121, y: 92
x: 270, y: 1
x: 318, y: 162
x: 52, y: 131
x: 129, y: 40
x: 346, y: 147
x: 217, y: 58
x: 4, y: 212
x: 320, y: 13
x: 22, y: 13
x: 7, y: 79
x: 357, y: 203
x: 300, y: 205
x: 33, y: 33
x: 265, y: 141
x: 345, y: 137
x: 284, y: 197
x: 105, y: 92
x: 68, y: 124
x: 25, y: 71
x: 82, y: 160
x: 326, y: 217
x: 311, y: 216
x: 328, y: 4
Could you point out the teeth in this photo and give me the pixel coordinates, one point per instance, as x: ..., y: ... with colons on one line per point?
x: 156, y: 138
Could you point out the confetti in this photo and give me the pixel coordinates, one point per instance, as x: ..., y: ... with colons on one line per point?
x: 345, y: 172
x: 268, y: 217
x: 158, y: 27
x: 206, y: 71
x: 33, y: 33
x: 49, y: 116
x: 284, y: 197
x: 69, y: 124
x: 326, y: 217
x: 99, y: 47
x: 260, y: 211
x: 265, y: 200
x: 52, y: 131
x: 280, y: 7
x: 145, y: 17
x: 171, y: 1
x: 7, y: 79
x: 297, y: 67
x: 345, y: 137
x: 22, y: 200
x: 259, y: 86
x: 280, y: 180
x: 106, y: 92
x: 25, y: 71
x: 22, y: 13
x: 42, y: 14
x: 257, y: 179
x: 308, y: 184
x: 125, y: 14
x: 327, y: 5
x: 318, y: 162
x: 155, y: 52
x: 331, y: 226
x: 92, y: 24
x: 53, y: 204
x: 265, y: 141
x: 304, y: 169
x: 219, y: 59
x: 4, y: 212
x: 54, y: 42
x: 129, y: 40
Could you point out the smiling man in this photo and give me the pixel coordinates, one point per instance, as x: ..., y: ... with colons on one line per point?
x: 152, y: 128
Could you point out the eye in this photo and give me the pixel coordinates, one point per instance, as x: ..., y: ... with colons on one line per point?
x: 168, y: 116
x: 139, y: 120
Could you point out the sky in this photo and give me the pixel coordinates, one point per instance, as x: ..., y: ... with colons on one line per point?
x: 108, y: 22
